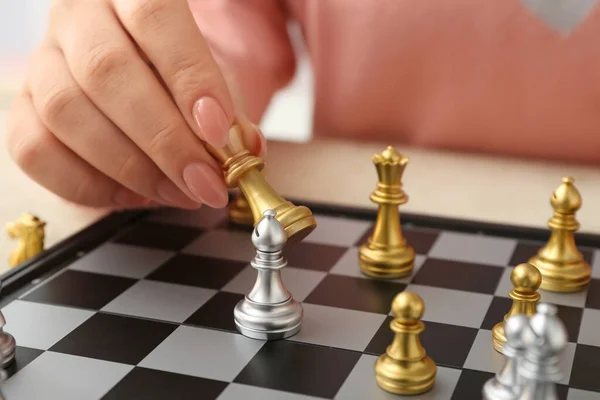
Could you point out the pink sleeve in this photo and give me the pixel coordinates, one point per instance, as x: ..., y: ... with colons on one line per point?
x: 249, y: 40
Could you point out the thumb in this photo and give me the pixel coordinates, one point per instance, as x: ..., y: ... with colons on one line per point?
x: 254, y: 139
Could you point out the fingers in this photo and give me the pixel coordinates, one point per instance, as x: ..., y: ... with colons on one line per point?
x: 105, y: 64
x: 167, y: 33
x: 67, y: 112
x: 52, y: 165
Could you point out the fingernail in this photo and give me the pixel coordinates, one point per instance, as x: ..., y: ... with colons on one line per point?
x: 206, y: 185
x: 172, y: 195
x: 125, y: 197
x: 213, y: 124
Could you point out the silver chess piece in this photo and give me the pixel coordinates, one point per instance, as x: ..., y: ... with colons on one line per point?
x: 545, y: 341
x: 8, y: 344
x: 269, y: 311
x: 506, y: 385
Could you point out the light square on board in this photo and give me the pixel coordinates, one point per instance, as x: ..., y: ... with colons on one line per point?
x: 299, y: 282
x: 122, y: 260
x: 596, y: 264
x: 483, y: 357
x: 203, y: 353
x: 361, y: 383
x: 160, y: 300
x: 348, y: 265
x: 473, y: 248
x: 589, y: 333
x: 66, y: 377
x: 40, y: 326
x: 204, y: 217
x: 335, y: 327
x: 578, y: 394
x: 237, y: 391
x: 338, y: 231
x: 223, y: 244
x: 453, y: 307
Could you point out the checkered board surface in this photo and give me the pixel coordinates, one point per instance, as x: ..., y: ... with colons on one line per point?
x: 147, y: 315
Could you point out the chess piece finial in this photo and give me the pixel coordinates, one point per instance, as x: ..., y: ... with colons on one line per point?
x: 405, y: 368
x: 242, y: 169
x: 545, y: 342
x: 526, y: 280
x: 269, y: 310
x: 29, y: 231
x: 239, y: 211
x: 386, y: 254
x: 561, y: 264
x: 507, y: 384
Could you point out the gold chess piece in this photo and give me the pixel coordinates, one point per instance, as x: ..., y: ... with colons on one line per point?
x: 29, y: 230
x: 386, y: 254
x: 405, y: 368
x: 242, y: 169
x: 562, y: 266
x: 240, y: 212
x: 526, y: 280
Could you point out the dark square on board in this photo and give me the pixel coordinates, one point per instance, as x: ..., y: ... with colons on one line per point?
x: 355, y: 293
x: 23, y: 356
x: 299, y: 368
x: 571, y: 317
x: 499, y: 307
x: 525, y: 250
x: 80, y: 289
x: 314, y: 256
x: 114, y: 338
x: 217, y: 312
x: 593, y: 297
x: 201, y: 271
x: 420, y: 239
x: 586, y: 364
x: 159, y: 236
x: 470, y: 384
x: 459, y: 275
x: 448, y: 345
x: 149, y: 384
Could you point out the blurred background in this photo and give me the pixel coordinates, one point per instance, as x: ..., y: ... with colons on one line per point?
x: 23, y: 24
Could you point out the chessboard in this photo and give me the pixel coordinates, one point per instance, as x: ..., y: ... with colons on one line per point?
x: 140, y: 306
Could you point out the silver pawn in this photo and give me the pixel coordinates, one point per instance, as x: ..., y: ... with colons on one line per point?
x: 269, y: 310
x: 506, y: 385
x: 546, y: 340
x: 8, y: 344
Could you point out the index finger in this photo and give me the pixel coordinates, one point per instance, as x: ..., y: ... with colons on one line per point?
x: 166, y: 31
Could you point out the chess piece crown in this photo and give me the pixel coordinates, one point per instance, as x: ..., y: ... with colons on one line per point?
x: 386, y: 255
x: 242, y: 169
x: 561, y: 264
x: 526, y: 280
x: 405, y: 368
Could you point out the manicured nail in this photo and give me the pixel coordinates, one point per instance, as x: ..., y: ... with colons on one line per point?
x: 125, y: 197
x: 213, y: 124
x: 206, y: 185
x: 172, y: 195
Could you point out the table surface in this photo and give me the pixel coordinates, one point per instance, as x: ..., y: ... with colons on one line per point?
x: 438, y: 183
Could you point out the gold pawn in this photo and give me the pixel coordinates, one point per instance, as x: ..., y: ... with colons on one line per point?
x: 562, y: 266
x: 405, y: 368
x: 386, y: 255
x: 526, y: 280
x: 240, y: 212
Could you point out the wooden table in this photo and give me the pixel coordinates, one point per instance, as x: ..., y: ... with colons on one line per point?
x: 438, y: 183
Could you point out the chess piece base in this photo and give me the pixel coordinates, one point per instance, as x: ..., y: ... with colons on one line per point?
x: 8, y: 348
x: 383, y: 263
x: 405, y: 377
x: 498, y: 337
x: 493, y: 389
x: 562, y: 277
x: 268, y: 321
